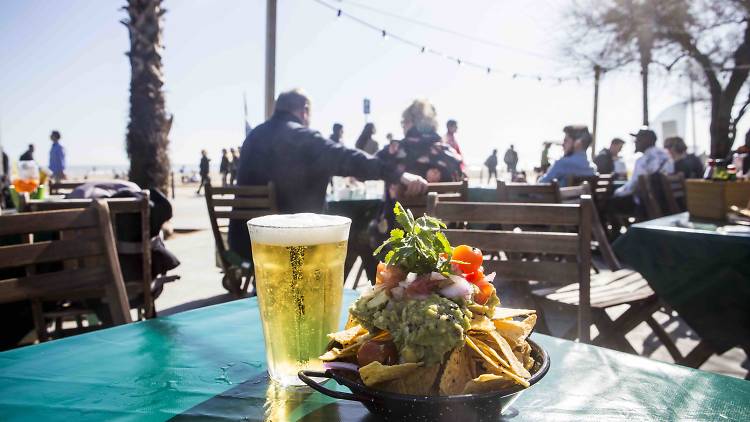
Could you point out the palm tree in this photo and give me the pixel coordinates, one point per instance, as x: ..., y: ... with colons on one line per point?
x: 149, y: 124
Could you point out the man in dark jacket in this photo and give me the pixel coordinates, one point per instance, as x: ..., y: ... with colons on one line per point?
x: 300, y: 162
x: 605, y: 160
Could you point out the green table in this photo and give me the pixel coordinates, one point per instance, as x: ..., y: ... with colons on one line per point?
x: 208, y: 364
x: 699, y: 270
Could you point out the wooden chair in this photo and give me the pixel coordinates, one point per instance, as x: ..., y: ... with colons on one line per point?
x: 81, y: 264
x: 63, y: 188
x: 541, y: 193
x: 140, y: 290
x: 673, y: 188
x: 574, y: 268
x: 589, y: 295
x: 236, y: 203
x: 648, y: 198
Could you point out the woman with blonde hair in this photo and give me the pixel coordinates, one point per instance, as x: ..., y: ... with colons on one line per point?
x: 421, y: 152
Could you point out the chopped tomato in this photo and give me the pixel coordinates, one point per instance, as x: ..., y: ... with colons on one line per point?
x: 470, y: 259
x: 422, y: 286
x: 389, y: 275
x: 485, y: 291
x: 475, y: 277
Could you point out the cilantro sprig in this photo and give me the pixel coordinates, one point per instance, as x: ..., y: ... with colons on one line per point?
x: 420, y: 246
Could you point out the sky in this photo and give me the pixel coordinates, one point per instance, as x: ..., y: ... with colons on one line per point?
x: 63, y: 66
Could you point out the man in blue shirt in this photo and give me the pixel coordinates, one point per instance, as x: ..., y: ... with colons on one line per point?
x: 56, y: 157
x: 574, y: 162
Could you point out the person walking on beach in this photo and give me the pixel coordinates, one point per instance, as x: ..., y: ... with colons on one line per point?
x: 56, y: 157
x: 203, y: 170
x: 511, y: 160
x: 233, y: 166
x: 491, y: 164
x: 28, y: 155
x: 224, y: 166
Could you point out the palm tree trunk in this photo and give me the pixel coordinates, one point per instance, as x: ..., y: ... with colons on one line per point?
x: 644, y: 81
x: 149, y: 126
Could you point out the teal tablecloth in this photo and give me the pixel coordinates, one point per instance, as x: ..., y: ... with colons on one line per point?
x: 208, y: 364
x: 702, y: 272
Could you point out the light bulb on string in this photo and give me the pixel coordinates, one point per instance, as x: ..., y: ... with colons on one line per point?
x: 515, y: 75
x: 338, y: 13
x: 384, y: 34
x: 489, y: 70
x: 423, y: 49
x: 459, y: 62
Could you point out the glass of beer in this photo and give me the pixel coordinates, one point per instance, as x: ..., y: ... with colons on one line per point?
x: 299, y: 276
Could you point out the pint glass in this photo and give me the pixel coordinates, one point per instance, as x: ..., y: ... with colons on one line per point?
x: 299, y: 276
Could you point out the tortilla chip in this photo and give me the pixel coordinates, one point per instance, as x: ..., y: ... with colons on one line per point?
x: 486, y: 383
x: 349, y: 335
x: 375, y: 372
x: 459, y: 369
x: 503, y: 313
x: 488, y: 351
x: 507, y: 351
x: 481, y: 323
x: 419, y: 382
x: 514, y: 331
x: 493, y: 366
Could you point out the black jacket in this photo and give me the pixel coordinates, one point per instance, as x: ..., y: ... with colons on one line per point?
x: 300, y: 162
x: 204, y: 166
x: 604, y: 162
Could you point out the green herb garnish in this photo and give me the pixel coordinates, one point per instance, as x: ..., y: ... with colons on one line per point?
x: 420, y: 247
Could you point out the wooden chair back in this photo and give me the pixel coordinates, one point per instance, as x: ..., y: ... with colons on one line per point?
x: 571, y: 247
x: 236, y: 203
x: 448, y: 191
x: 673, y: 187
x: 63, y: 188
x: 573, y: 195
x: 648, y: 198
x: 541, y: 193
x: 83, y: 234
x: 121, y: 206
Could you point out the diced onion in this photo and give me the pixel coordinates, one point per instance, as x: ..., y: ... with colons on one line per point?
x: 459, y: 288
x: 410, y: 278
x: 397, y: 293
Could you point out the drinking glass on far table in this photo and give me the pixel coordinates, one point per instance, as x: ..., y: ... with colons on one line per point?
x: 28, y: 177
x: 299, y: 275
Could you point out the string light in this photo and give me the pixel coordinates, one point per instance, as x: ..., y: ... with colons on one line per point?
x: 425, y: 49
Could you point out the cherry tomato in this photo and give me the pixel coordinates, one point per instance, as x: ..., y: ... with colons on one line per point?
x: 475, y: 277
x: 471, y: 256
x: 485, y: 291
x: 383, y: 351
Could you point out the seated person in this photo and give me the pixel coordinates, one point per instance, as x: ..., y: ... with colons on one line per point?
x: 605, y: 160
x: 653, y: 160
x: 574, y: 162
x: 687, y: 164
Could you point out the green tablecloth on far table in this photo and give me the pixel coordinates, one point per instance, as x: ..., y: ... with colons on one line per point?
x: 699, y: 270
x: 209, y: 364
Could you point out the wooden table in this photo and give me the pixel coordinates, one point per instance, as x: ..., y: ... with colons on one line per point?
x: 209, y: 364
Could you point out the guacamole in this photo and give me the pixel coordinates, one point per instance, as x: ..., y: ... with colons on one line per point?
x: 424, y: 330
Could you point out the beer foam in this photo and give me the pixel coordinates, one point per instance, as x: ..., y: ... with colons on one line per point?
x: 299, y: 229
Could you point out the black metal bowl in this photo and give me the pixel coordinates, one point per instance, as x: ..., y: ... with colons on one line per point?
x: 464, y: 407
